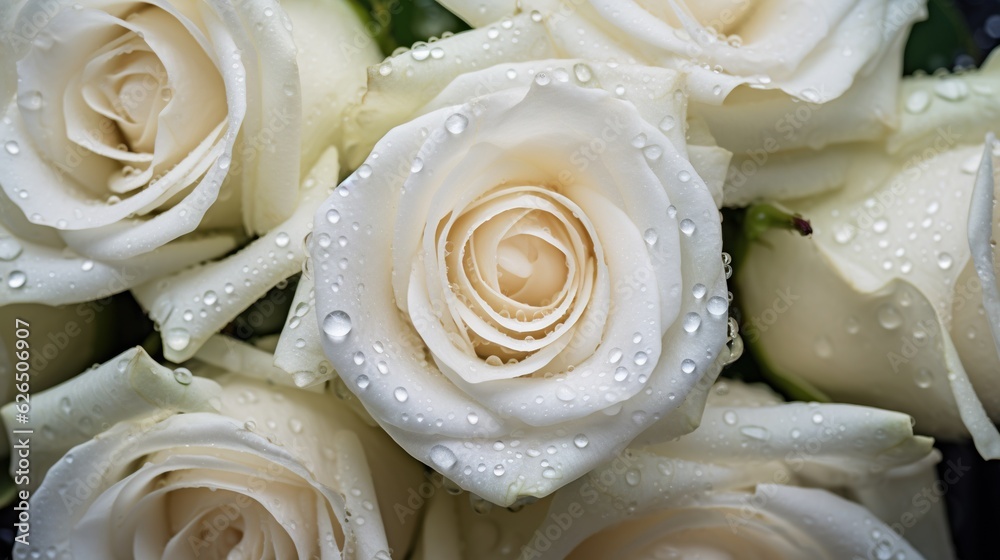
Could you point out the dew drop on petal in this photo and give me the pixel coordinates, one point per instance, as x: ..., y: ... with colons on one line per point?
x: 691, y: 322
x: 12, y: 147
x: 456, y: 123
x: 718, y: 305
x: 332, y: 216
x: 699, y: 291
x: 923, y: 378
x: 442, y: 457
x: 10, y: 249
x: 400, y: 394
x: 580, y: 441
x: 337, y: 325
x: 615, y: 355
x: 652, y: 152
x: 177, y: 339
x: 17, y: 279
x: 944, y: 261
x: 183, y: 376
x: 687, y: 227
x: 888, y: 316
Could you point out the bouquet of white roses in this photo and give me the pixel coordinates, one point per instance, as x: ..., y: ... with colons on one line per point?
x: 266, y: 292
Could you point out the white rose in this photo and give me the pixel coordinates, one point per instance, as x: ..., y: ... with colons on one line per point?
x: 758, y: 479
x: 517, y: 284
x: 127, y: 126
x: 769, y: 76
x: 275, y: 473
x: 883, y: 305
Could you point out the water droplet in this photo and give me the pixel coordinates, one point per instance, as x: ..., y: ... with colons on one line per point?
x: 442, y: 457
x: 542, y: 79
x: 817, y: 418
x: 756, y: 432
x: 580, y: 441
x: 718, y: 305
x: 688, y: 366
x: 615, y: 355
x: 10, y: 249
x: 177, y: 339
x: 944, y: 261
x: 362, y: 381
x: 880, y: 226
x: 668, y: 123
x: 401, y: 394
x: 691, y: 322
x: 699, y: 291
x: 621, y: 374
x: 473, y: 418
x: 918, y: 102
x: 417, y: 165
x: 652, y: 152
x: 582, y: 72
x: 683, y: 176
x: 420, y: 52
x: 952, y: 89
x: 364, y: 171
x: 923, y: 378
x: 210, y: 298
x: 332, y: 216
x: 632, y: 477
x: 456, y: 123
x: 565, y: 394
x: 337, y: 325
x: 687, y: 227
x: 888, y: 316
x: 281, y: 240
x: 640, y: 358
x: 359, y: 358
x: 844, y: 233
x: 498, y: 470
x: 183, y: 376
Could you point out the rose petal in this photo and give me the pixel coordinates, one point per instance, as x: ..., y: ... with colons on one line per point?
x: 129, y: 387
x: 215, y: 286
